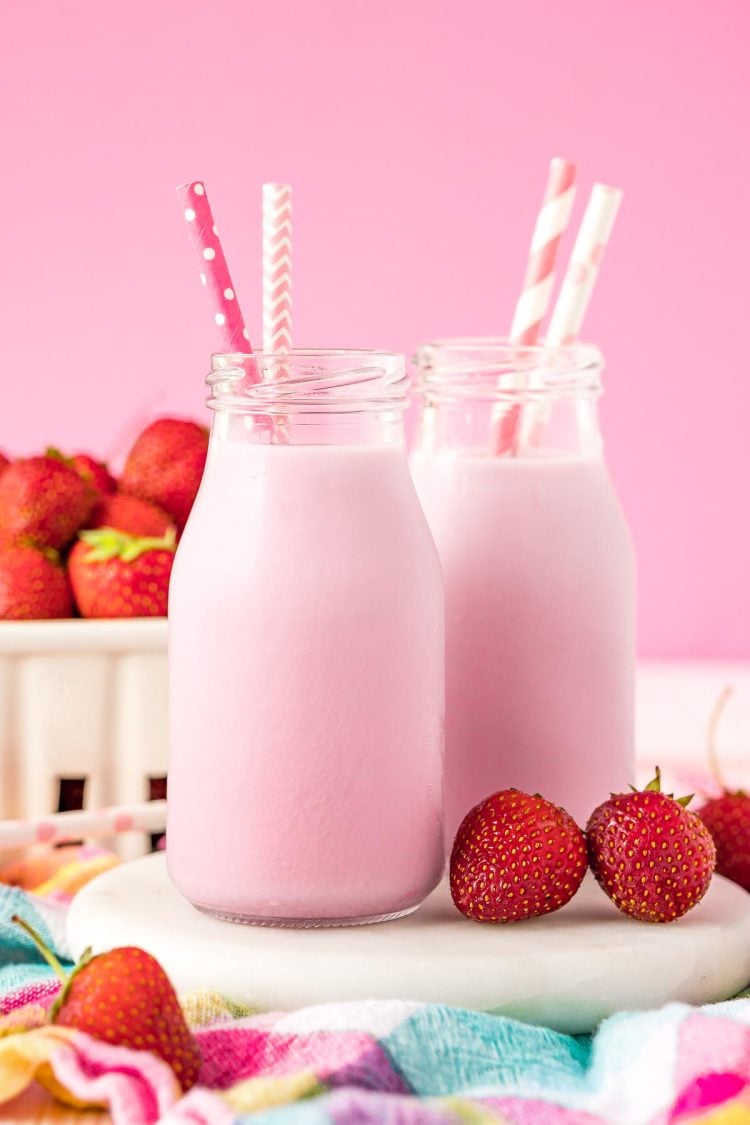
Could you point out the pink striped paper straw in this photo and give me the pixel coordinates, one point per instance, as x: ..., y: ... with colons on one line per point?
x: 585, y: 262
x: 533, y: 302
x: 148, y: 816
x: 214, y: 272
x: 575, y: 293
x: 551, y: 224
x: 277, y: 268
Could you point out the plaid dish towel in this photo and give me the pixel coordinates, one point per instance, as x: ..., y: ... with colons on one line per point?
x: 388, y: 1061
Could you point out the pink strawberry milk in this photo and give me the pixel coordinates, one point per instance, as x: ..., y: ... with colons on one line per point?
x: 306, y: 652
x: 539, y: 574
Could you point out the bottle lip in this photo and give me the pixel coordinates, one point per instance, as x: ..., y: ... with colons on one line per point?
x: 308, y: 353
x: 495, y: 367
x: 311, y: 379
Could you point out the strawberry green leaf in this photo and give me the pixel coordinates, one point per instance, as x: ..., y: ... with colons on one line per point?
x: 109, y: 543
x: 654, y: 786
x: 56, y: 455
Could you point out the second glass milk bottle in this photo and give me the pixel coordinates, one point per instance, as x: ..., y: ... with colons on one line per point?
x: 306, y: 652
x: 539, y: 573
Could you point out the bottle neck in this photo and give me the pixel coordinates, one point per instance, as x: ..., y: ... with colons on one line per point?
x: 487, y: 396
x: 568, y: 427
x: 309, y: 398
x: 303, y: 428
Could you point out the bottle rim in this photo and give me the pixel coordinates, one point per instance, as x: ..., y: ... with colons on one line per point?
x: 494, y: 367
x: 340, y: 380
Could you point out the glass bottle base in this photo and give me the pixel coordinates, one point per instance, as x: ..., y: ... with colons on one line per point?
x: 303, y: 923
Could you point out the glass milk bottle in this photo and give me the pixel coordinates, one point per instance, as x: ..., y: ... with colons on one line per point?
x: 539, y: 574
x: 306, y: 652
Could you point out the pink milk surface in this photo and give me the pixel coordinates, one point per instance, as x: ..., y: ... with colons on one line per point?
x: 306, y: 665
x: 539, y: 576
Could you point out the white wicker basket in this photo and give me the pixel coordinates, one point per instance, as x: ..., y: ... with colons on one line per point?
x: 82, y: 700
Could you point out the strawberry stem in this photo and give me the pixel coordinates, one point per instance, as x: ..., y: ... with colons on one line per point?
x: 46, y: 953
x: 711, y: 731
x: 654, y: 786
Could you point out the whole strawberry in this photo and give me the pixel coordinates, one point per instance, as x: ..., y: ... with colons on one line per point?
x: 95, y: 472
x: 43, y: 503
x: 516, y: 856
x: 129, y: 514
x: 651, y: 856
x: 165, y: 466
x: 728, y: 820
x: 32, y: 585
x: 119, y: 575
x: 124, y: 997
x: 727, y: 817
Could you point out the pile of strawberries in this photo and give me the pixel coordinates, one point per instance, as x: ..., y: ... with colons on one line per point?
x: 74, y: 540
x: 518, y: 856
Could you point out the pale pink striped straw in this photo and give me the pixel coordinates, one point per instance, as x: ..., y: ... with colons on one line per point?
x: 277, y: 268
x: 532, y: 305
x: 575, y: 292
x: 585, y: 261
x: 214, y: 272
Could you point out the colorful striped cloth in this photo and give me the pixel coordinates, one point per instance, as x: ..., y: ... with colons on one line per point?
x: 392, y: 1062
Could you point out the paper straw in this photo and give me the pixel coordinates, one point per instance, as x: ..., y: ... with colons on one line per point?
x: 148, y: 816
x: 214, y: 272
x: 533, y: 302
x: 585, y: 261
x: 575, y: 293
x: 277, y: 268
x: 551, y: 224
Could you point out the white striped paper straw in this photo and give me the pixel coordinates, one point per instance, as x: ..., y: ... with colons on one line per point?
x: 585, y: 261
x: 277, y: 268
x: 148, y: 816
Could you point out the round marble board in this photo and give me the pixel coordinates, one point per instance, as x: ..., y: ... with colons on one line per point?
x: 566, y: 971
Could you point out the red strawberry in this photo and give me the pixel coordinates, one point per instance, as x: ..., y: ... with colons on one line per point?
x: 727, y: 817
x: 118, y: 575
x: 124, y: 997
x: 128, y: 513
x: 728, y: 820
x: 43, y: 502
x: 32, y: 586
x: 165, y: 466
x: 514, y: 857
x: 649, y: 854
x: 4, y: 461
x: 95, y: 472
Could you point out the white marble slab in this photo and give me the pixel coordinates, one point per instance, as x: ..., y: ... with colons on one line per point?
x: 567, y: 971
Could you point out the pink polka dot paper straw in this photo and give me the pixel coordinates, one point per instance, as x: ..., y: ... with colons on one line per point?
x: 585, y: 261
x: 532, y: 305
x: 148, y: 816
x: 214, y: 272
x: 277, y: 268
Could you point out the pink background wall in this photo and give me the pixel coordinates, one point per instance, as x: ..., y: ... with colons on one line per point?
x: 416, y: 134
